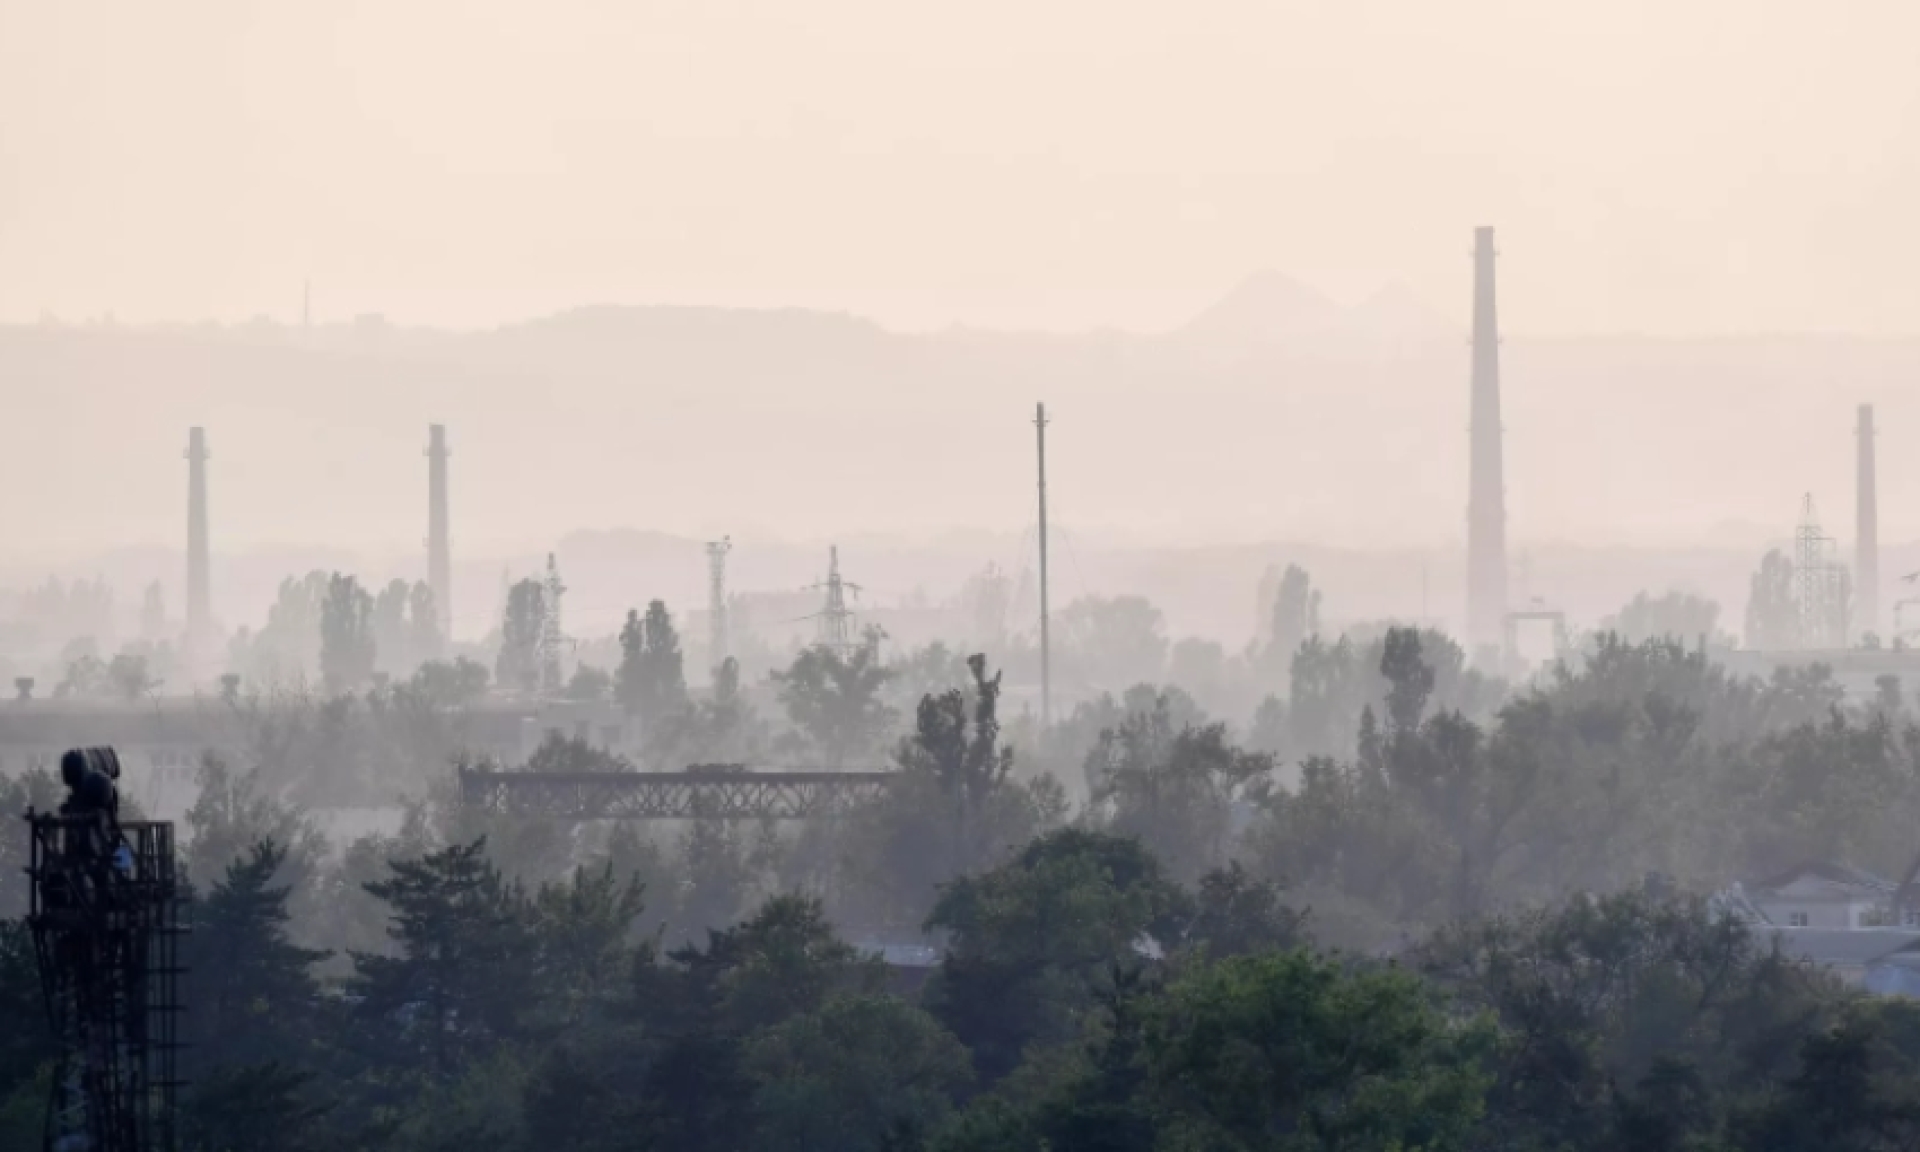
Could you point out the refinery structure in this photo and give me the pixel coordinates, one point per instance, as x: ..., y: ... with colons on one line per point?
x: 1837, y: 606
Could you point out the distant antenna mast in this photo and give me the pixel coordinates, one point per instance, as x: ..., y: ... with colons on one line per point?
x: 551, y: 636
x: 834, y: 624
x: 717, y: 639
x: 1046, y: 645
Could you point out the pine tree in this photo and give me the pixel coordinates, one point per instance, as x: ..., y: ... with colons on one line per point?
x: 252, y: 989
x: 457, y: 980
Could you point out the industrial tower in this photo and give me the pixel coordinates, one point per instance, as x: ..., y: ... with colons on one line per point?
x: 439, y: 541
x: 104, y: 914
x: 834, y: 625
x: 552, y: 636
x: 1486, y: 501
x: 1046, y: 646
x: 199, y: 547
x: 1866, y: 559
x: 1819, y: 584
x: 718, y: 641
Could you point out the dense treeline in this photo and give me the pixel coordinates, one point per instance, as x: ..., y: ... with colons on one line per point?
x: 1440, y: 934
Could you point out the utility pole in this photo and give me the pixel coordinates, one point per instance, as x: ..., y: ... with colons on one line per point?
x: 1046, y: 645
x: 439, y: 539
x: 717, y: 638
x: 199, y: 636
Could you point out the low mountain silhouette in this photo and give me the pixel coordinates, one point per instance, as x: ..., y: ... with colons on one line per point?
x: 1269, y: 307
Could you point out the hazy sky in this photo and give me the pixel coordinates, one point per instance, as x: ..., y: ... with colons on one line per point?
x: 1706, y: 166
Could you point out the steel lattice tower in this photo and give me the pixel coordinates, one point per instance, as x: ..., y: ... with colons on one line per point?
x: 834, y: 624
x: 1819, y: 584
x: 552, y: 636
x: 105, y: 934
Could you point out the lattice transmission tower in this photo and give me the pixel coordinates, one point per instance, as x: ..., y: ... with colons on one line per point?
x: 553, y: 637
x: 1821, y: 587
x: 833, y: 625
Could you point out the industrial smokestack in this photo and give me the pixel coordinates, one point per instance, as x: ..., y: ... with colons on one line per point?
x: 199, y: 551
x: 439, y: 544
x: 1866, y: 562
x: 1486, y: 500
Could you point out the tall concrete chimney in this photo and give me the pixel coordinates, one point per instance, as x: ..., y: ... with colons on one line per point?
x: 1866, y: 561
x: 439, y: 545
x: 1486, y: 500
x: 199, y: 552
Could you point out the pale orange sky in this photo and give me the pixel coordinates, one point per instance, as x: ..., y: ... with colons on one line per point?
x: 1707, y: 166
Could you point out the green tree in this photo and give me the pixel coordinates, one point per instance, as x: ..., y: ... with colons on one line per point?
x: 253, y: 992
x: 425, y: 641
x: 458, y: 931
x: 857, y: 1074
x: 131, y: 676
x: 459, y: 684
x: 650, y: 682
x: 836, y: 702
x: 347, y: 646
x: 1287, y: 1052
x: 1032, y: 943
x: 589, y: 684
x: 1112, y: 642
x: 1773, y: 613
x: 583, y: 931
x: 265, y: 1107
x: 1677, y: 616
x: 518, y: 665
x: 1175, y: 789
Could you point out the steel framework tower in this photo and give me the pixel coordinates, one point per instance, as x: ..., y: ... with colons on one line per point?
x: 439, y: 540
x: 1866, y: 561
x: 1819, y: 584
x: 199, y: 547
x: 104, y: 915
x: 834, y: 623
x: 1046, y: 640
x: 718, y: 640
x: 552, y: 635
x: 1486, y: 500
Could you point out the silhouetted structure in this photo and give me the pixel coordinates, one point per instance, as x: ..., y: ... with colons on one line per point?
x: 719, y: 642
x: 1866, y: 561
x: 1046, y: 641
x: 1819, y: 584
x: 199, y: 547
x: 553, y: 636
x: 834, y: 623
x: 718, y: 791
x: 104, y: 915
x: 1486, y: 500
x: 439, y: 538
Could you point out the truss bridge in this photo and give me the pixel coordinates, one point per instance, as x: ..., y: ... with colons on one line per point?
x: 725, y: 792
